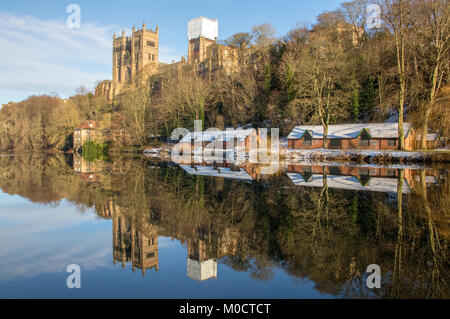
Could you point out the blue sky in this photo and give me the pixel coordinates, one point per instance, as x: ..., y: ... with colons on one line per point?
x: 41, y: 55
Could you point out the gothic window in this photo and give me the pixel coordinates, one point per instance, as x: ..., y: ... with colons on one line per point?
x: 150, y: 43
x: 197, y: 46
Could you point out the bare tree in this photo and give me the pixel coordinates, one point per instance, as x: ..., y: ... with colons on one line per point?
x: 396, y: 14
x: 431, y: 26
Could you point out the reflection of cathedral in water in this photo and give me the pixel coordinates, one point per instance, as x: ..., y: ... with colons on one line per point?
x: 135, y: 241
x: 200, y: 265
x: 131, y: 245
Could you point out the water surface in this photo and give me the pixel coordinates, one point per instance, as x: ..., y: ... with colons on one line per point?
x: 143, y: 228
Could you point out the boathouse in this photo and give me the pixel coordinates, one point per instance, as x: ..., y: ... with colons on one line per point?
x: 372, y: 136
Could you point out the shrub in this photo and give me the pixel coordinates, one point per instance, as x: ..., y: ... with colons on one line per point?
x: 93, y: 151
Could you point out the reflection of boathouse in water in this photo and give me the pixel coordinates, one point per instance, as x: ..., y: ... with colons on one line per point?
x: 217, y: 171
x: 369, y: 179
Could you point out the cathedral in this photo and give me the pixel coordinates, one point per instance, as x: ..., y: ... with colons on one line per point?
x: 136, y: 57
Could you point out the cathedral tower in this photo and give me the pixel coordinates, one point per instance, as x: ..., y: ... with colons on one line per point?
x: 134, y: 55
x: 202, y: 32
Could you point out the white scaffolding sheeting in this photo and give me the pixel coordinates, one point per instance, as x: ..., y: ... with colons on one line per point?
x: 203, y: 27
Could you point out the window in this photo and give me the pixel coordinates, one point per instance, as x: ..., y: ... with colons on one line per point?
x: 150, y: 43
x: 392, y: 142
x: 364, y: 172
x: 364, y: 139
x: 197, y: 46
x: 391, y: 173
x: 335, y: 142
x: 307, y: 173
x: 307, y: 142
x: 307, y: 139
x: 364, y: 142
x: 150, y: 255
x: 335, y: 170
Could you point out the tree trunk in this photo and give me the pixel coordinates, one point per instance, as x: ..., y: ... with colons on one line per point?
x: 400, y: 48
x: 325, y: 136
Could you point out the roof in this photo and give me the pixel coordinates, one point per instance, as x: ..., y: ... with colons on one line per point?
x: 351, y: 131
x: 209, y: 136
x: 224, y: 172
x: 88, y: 125
x: 375, y: 184
x: 430, y: 137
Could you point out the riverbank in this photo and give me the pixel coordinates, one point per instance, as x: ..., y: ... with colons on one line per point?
x: 379, y: 157
x: 369, y: 156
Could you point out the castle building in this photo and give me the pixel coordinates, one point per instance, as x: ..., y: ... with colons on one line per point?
x: 134, y: 55
x: 202, y: 32
x: 136, y: 58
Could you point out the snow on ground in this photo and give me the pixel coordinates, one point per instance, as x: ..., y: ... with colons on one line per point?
x: 309, y: 154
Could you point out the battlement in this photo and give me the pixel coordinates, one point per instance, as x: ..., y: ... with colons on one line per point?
x: 135, y: 32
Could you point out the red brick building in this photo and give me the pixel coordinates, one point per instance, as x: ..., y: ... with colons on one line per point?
x: 245, y: 139
x: 371, y: 136
x: 85, y: 132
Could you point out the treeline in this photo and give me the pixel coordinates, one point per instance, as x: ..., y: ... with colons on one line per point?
x: 338, y: 70
x: 47, y: 122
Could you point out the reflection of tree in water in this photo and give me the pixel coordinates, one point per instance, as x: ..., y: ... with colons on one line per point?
x: 326, y: 235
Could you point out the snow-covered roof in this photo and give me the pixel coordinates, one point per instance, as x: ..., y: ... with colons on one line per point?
x: 428, y: 179
x: 375, y: 184
x: 430, y: 137
x: 88, y: 125
x: 376, y: 130
x: 224, y: 172
x: 209, y: 136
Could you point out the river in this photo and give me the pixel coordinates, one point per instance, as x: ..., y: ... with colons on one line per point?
x: 146, y: 228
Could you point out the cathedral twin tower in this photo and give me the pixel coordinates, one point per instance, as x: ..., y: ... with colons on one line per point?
x: 138, y: 54
x: 135, y: 54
